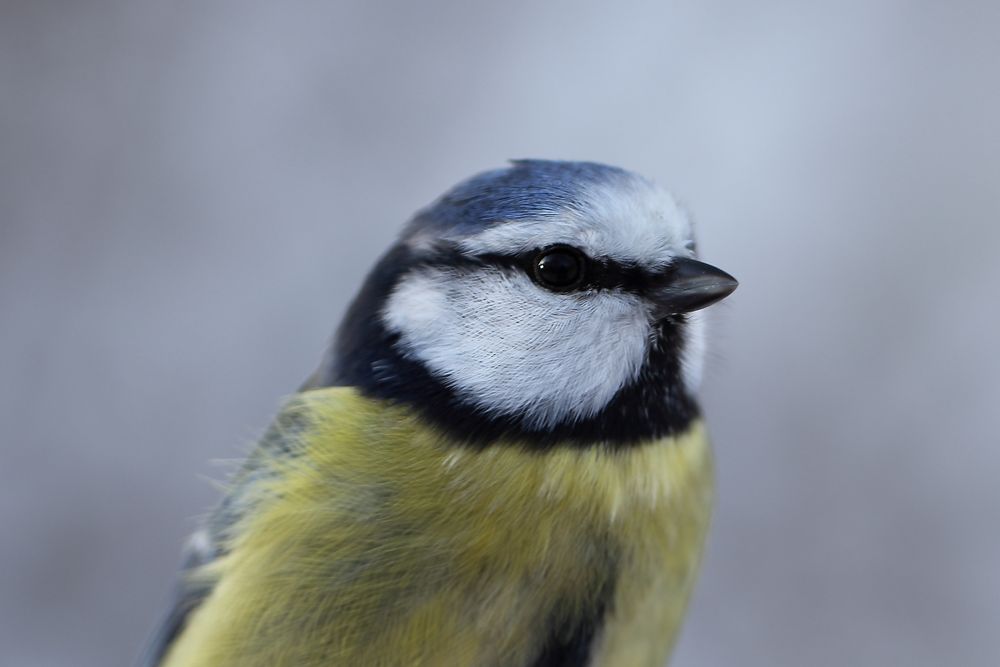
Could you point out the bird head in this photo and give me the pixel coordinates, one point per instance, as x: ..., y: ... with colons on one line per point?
x: 545, y: 303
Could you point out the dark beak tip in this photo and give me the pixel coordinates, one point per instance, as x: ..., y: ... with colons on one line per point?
x: 719, y: 288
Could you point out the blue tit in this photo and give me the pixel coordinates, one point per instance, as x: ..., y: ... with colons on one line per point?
x: 500, y: 461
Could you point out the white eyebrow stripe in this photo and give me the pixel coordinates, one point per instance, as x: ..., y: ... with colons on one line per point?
x: 632, y: 223
x: 520, y: 237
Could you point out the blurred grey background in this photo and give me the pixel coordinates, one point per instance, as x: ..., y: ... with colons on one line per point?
x: 190, y: 192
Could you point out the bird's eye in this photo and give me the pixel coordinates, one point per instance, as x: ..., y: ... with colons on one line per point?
x: 559, y: 268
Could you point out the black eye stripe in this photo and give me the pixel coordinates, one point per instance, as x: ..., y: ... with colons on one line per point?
x: 608, y: 274
x: 599, y: 274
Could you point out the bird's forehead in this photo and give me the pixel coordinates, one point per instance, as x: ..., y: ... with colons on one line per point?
x: 605, y: 211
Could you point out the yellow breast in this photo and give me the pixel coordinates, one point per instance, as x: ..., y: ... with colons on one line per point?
x: 374, y: 540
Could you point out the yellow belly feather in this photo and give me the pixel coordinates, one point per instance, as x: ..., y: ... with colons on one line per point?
x: 376, y: 542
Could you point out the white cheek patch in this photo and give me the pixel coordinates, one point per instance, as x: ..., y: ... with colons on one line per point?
x: 512, y: 348
x: 630, y: 221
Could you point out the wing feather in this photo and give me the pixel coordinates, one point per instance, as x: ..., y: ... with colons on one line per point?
x: 212, y: 540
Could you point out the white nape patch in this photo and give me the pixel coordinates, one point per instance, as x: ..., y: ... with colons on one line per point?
x: 512, y: 348
x: 693, y: 354
x: 628, y: 219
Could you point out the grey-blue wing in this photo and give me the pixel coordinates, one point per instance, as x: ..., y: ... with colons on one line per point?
x: 213, y: 540
x: 188, y: 594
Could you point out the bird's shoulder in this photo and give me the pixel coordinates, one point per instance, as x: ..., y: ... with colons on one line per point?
x: 282, y: 441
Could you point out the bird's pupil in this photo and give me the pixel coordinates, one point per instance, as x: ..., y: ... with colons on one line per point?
x: 559, y: 268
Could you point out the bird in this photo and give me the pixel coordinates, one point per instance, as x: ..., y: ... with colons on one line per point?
x: 500, y: 460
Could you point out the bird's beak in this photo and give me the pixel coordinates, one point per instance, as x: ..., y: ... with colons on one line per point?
x: 690, y: 285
